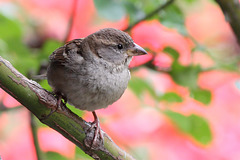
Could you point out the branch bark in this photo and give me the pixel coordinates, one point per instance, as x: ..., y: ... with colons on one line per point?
x: 40, y: 102
x: 231, y: 10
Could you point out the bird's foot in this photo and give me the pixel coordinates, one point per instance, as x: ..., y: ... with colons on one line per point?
x: 94, y: 135
x: 59, y: 105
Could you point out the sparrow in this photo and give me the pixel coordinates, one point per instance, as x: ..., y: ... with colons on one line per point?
x: 92, y: 72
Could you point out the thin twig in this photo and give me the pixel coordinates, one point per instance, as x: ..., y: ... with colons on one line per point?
x: 231, y: 10
x: 4, y: 109
x: 35, y: 137
x: 70, y: 23
x: 149, y: 15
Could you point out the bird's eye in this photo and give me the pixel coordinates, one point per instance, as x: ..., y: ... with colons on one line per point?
x: 120, y: 46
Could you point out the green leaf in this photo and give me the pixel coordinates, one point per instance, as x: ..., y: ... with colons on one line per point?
x: 75, y: 110
x: 139, y: 86
x: 110, y: 9
x: 133, y: 10
x: 185, y: 75
x: 190, y: 1
x: 45, y: 85
x: 9, y: 29
x: 171, y: 97
x: 53, y: 155
x: 49, y: 47
x: 193, y: 125
x: 173, y: 17
x: 79, y: 154
x: 13, y: 49
x: 201, y: 95
x: 172, y: 52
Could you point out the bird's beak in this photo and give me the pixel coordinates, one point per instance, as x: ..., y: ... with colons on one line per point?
x: 136, y: 50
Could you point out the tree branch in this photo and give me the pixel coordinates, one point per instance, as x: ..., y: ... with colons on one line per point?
x: 231, y: 10
x: 149, y: 15
x: 40, y: 102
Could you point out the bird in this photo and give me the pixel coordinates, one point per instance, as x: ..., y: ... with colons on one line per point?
x: 93, y: 72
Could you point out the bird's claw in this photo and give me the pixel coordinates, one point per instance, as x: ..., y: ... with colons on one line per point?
x: 94, y: 135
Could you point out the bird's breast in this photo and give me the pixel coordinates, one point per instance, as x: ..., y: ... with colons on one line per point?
x: 97, y: 86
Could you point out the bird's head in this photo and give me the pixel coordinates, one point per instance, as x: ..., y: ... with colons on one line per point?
x: 113, y: 45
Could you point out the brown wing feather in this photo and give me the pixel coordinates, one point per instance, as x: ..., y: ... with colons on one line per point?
x: 60, y: 55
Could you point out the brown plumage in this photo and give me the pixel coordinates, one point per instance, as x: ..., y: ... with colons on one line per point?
x: 92, y: 73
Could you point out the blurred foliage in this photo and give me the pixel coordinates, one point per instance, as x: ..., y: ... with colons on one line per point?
x: 79, y: 154
x: 187, y: 76
x: 16, y: 51
x: 227, y: 63
x: 171, y: 97
x: 26, y: 60
x: 116, y: 8
x: 139, y: 86
x: 183, y: 75
x: 191, y: 1
x: 201, y: 95
x: 53, y: 155
x: 195, y: 126
x: 173, y: 17
x: 12, y: 47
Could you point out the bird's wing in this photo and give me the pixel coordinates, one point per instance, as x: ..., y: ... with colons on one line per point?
x: 61, y: 55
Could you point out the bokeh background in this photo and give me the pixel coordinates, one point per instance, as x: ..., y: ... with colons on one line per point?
x: 182, y: 103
